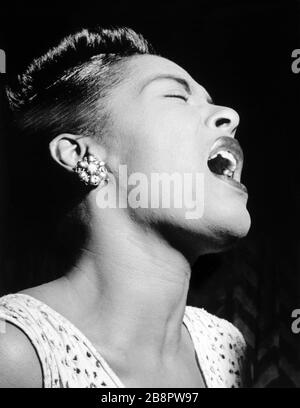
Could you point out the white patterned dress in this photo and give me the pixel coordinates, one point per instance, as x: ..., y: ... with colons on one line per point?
x: 69, y: 360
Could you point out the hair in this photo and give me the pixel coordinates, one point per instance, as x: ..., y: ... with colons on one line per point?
x: 63, y: 91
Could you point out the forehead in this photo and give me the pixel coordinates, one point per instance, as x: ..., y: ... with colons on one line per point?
x: 143, y: 67
x: 150, y: 64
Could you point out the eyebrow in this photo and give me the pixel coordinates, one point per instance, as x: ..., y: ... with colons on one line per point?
x: 181, y: 81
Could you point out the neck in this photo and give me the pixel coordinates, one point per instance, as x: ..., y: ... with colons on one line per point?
x: 134, y: 284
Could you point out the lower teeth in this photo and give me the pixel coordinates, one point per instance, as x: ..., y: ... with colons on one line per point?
x: 228, y: 173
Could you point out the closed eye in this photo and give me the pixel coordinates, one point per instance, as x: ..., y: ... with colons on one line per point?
x: 185, y: 98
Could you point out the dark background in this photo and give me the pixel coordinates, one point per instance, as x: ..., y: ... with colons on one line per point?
x: 240, y: 51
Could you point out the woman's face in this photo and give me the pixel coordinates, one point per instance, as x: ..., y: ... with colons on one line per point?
x: 165, y: 123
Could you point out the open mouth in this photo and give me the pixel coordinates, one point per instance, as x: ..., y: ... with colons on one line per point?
x: 226, y: 161
x: 223, y: 162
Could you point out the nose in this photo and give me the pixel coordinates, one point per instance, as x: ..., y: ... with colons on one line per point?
x: 224, y: 118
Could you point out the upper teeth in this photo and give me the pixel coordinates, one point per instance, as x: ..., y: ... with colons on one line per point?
x: 223, y: 162
x: 229, y: 156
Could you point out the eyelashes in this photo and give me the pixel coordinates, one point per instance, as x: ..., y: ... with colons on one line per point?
x: 179, y: 96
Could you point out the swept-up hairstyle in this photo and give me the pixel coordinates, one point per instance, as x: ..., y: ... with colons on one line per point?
x: 63, y: 91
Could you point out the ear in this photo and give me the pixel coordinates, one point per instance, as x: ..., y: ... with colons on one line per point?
x: 67, y: 149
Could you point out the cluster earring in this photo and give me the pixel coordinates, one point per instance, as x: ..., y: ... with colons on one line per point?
x: 91, y: 171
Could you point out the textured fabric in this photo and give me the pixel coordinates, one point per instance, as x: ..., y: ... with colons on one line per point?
x: 256, y: 288
x: 69, y: 360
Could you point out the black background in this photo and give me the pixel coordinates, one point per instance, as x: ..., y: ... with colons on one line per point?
x: 240, y: 51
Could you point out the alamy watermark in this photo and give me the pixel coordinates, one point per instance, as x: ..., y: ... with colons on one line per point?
x: 296, y: 63
x: 296, y: 323
x: 2, y: 326
x: 159, y: 190
x: 2, y: 62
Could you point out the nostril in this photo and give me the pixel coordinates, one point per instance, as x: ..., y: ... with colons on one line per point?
x: 222, y: 121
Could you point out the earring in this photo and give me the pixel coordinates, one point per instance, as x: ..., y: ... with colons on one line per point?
x: 91, y: 171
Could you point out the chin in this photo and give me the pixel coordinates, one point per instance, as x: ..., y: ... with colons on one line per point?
x: 227, y: 229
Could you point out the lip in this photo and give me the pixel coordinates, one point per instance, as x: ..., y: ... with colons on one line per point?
x: 234, y: 183
x: 231, y: 145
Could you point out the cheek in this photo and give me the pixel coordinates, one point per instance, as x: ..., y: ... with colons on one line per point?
x: 167, y: 142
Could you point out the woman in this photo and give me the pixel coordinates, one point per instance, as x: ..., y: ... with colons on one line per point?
x: 97, y: 102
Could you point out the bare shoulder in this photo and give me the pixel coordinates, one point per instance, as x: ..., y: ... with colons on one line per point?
x: 55, y: 294
x: 19, y: 363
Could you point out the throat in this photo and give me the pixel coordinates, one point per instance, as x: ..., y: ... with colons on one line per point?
x: 180, y: 371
